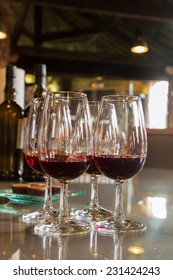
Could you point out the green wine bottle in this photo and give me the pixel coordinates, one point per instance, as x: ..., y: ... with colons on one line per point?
x: 11, y: 121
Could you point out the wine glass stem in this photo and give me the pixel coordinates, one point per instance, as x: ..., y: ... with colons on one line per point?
x: 48, y: 192
x: 94, y: 191
x: 119, y: 211
x: 63, y: 209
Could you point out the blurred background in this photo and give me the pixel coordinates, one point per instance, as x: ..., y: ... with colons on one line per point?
x: 87, y: 46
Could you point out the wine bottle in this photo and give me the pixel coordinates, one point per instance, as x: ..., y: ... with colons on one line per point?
x: 11, y: 120
x: 30, y: 174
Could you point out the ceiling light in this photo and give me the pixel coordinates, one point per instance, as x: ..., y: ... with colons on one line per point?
x: 3, y: 31
x: 140, y: 45
x: 3, y: 35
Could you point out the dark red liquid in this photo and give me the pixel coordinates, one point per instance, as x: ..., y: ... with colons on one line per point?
x: 92, y: 168
x: 121, y: 168
x: 34, y: 163
x: 63, y: 168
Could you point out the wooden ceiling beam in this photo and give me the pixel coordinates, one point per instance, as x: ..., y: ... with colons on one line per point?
x: 71, y: 34
x: 120, y: 8
x: 42, y: 53
x: 59, y: 66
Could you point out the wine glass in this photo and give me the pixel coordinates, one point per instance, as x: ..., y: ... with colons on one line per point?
x: 64, y: 143
x: 94, y: 211
x: 120, y: 152
x: 31, y: 155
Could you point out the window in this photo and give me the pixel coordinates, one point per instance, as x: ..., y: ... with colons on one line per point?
x: 158, y: 105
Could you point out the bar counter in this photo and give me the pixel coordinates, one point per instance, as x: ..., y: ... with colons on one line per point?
x: 148, y: 197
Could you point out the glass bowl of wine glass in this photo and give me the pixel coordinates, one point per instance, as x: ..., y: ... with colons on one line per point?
x: 31, y: 154
x: 94, y: 211
x: 120, y: 152
x: 64, y: 144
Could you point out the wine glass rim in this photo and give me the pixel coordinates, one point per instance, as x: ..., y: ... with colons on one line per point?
x: 121, y: 98
x: 68, y: 92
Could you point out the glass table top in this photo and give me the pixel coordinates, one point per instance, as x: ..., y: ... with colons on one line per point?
x: 148, y: 197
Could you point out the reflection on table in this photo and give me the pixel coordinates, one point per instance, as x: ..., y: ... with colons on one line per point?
x: 148, y: 197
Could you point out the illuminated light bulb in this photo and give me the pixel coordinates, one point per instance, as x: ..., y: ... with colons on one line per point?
x: 139, y: 46
x: 3, y: 35
x: 139, y: 49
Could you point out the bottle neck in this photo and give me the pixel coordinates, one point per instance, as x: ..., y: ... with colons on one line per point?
x: 9, y: 91
x: 40, y: 87
x: 40, y: 80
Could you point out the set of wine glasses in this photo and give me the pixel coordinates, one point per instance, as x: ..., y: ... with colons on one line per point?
x: 66, y: 136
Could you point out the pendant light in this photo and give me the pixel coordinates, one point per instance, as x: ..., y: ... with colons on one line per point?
x: 3, y: 35
x: 3, y: 31
x: 140, y: 45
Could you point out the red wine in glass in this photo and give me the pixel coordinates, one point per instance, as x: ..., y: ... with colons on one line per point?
x: 119, y: 167
x: 120, y: 152
x: 64, y: 145
x: 31, y: 155
x: 94, y: 211
x: 92, y: 168
x: 61, y: 167
x: 34, y: 163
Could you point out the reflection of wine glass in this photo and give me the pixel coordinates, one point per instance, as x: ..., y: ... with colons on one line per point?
x: 118, y: 245
x: 93, y: 242
x: 64, y: 143
x: 47, y: 245
x: 94, y: 211
x: 62, y: 247
x: 118, y: 238
x: 31, y: 155
x: 120, y: 151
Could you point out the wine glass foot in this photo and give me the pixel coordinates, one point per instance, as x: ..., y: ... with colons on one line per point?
x: 62, y: 227
x: 48, y: 213
x: 95, y: 213
x: 123, y: 226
